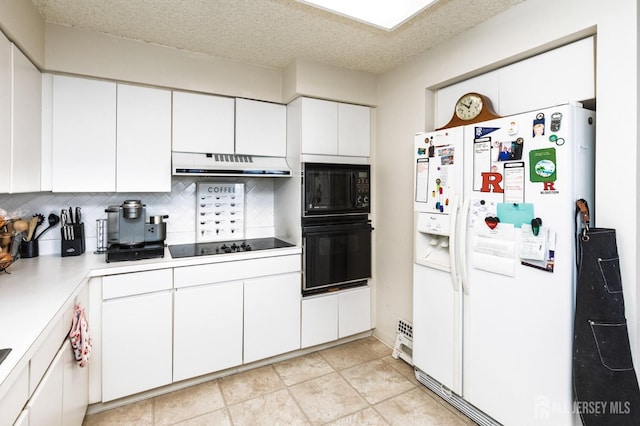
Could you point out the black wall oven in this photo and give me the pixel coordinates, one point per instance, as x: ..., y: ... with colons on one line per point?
x: 336, y: 230
x: 337, y: 253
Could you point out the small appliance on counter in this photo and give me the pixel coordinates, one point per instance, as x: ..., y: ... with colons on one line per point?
x: 130, y: 236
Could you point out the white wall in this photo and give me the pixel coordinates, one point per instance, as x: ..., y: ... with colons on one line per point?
x: 407, y: 105
x: 22, y: 24
x: 71, y: 50
x: 75, y: 51
x: 305, y: 78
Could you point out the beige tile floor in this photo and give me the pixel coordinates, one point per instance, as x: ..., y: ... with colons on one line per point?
x: 357, y: 383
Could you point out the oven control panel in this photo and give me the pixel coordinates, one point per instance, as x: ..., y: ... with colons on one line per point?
x: 362, y: 189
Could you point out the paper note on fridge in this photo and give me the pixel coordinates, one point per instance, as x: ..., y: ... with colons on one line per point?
x: 533, y: 246
x: 494, y: 250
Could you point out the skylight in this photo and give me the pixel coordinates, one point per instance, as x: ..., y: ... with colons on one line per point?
x: 385, y: 14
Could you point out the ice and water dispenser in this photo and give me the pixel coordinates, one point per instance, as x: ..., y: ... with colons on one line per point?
x: 432, y: 240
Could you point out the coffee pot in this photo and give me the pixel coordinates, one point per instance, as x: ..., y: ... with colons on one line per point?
x: 127, y: 225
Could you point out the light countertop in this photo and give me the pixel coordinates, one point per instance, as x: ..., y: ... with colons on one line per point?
x: 36, y: 290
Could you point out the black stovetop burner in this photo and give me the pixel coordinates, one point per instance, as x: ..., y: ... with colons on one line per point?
x: 224, y: 247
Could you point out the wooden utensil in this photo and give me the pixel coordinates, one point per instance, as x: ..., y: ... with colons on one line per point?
x: 33, y: 222
x: 20, y: 225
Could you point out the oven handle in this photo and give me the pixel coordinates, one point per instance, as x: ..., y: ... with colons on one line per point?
x: 324, y: 229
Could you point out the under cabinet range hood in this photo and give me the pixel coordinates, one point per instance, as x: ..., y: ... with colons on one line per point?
x: 200, y: 164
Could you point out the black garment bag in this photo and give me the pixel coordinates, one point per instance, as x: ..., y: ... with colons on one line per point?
x: 605, y: 383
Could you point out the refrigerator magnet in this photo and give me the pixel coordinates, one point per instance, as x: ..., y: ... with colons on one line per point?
x: 542, y: 165
x: 538, y: 125
x: 556, y: 119
x: 515, y: 213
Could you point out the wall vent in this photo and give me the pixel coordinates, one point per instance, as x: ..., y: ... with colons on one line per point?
x: 403, y: 347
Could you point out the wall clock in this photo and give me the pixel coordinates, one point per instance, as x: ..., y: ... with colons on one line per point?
x: 472, y: 107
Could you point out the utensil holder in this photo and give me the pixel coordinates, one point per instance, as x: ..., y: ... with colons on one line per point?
x: 72, y: 244
x: 28, y: 249
x: 101, y: 236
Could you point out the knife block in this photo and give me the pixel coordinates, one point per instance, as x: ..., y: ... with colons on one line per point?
x: 75, y: 246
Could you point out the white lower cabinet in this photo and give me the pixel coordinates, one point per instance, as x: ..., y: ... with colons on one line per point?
x: 207, y: 329
x: 45, y: 406
x: 136, y: 333
x: 354, y: 311
x: 271, y: 316
x: 332, y: 316
x: 62, y: 395
x: 168, y: 325
x: 319, y: 320
x: 75, y: 388
x: 14, y: 400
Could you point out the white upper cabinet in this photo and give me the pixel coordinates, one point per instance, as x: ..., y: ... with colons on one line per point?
x: 84, y: 135
x: 261, y: 128
x: 143, y: 139
x: 5, y: 114
x: 203, y: 123
x: 20, y: 117
x: 331, y: 128
x: 319, y: 127
x: 354, y: 130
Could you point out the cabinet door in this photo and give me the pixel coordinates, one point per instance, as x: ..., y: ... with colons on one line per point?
x: 207, y: 334
x: 136, y: 344
x: 75, y: 391
x: 271, y: 316
x: 319, y: 320
x: 26, y: 146
x: 319, y: 127
x: 45, y: 406
x: 14, y: 400
x: 143, y: 139
x: 203, y: 123
x: 354, y: 311
x: 354, y: 130
x: 84, y: 135
x: 261, y: 128
x: 5, y: 114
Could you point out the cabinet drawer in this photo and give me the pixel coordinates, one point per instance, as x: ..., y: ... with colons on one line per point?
x: 114, y: 286
x: 237, y: 270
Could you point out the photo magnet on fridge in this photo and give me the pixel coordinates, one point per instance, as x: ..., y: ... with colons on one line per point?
x: 538, y: 125
x: 542, y: 165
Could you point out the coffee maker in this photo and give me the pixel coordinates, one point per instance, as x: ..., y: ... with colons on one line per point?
x: 130, y: 236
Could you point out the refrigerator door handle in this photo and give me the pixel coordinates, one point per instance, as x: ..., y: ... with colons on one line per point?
x: 461, y: 253
x: 454, y: 242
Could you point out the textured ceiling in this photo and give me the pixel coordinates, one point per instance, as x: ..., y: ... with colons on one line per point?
x: 272, y: 33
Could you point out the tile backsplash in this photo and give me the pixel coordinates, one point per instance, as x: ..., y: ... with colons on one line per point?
x: 179, y: 204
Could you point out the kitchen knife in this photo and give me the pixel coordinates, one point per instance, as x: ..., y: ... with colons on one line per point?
x: 63, y: 223
x: 78, y: 216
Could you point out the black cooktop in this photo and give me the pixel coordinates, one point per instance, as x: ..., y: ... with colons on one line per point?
x: 224, y: 247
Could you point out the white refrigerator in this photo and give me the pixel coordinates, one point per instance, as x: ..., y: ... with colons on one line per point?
x: 494, y: 262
